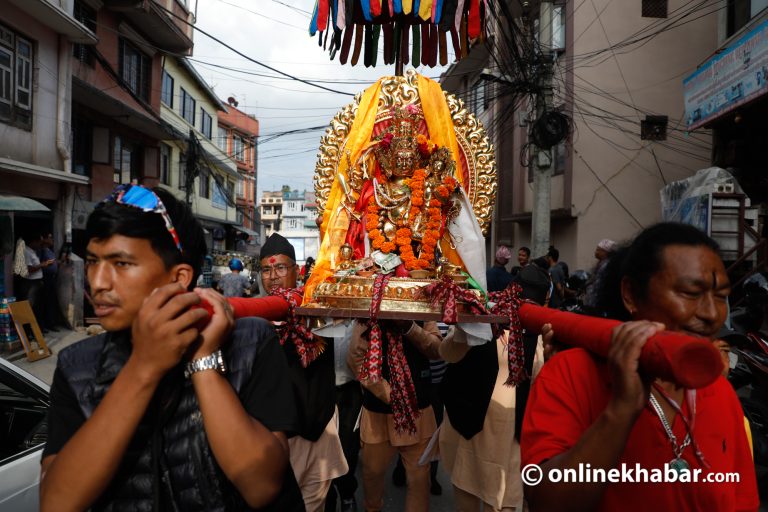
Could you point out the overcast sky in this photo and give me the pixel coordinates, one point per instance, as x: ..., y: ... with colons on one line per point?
x: 275, y: 32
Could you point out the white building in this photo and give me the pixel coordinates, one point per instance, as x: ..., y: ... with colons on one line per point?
x: 292, y: 214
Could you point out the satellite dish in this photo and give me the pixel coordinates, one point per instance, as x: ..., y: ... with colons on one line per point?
x: 232, y: 101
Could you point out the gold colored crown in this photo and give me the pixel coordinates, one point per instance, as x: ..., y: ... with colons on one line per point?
x: 403, y: 132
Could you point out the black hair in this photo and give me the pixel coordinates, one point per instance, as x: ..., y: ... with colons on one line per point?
x: 639, y: 260
x: 526, y: 250
x: 553, y: 253
x: 110, y: 219
x: 541, y: 262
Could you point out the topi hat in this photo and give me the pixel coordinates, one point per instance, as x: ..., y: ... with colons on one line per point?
x: 277, y: 244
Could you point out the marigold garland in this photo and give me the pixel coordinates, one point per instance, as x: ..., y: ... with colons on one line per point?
x: 404, y: 236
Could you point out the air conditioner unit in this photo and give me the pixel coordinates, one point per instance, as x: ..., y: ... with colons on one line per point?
x: 724, y: 188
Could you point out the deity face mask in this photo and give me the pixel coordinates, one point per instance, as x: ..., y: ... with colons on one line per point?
x: 400, y: 157
x: 405, y: 161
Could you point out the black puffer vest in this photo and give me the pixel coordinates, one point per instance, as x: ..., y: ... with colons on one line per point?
x: 168, y: 464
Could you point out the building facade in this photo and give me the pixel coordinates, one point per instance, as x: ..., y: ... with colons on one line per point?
x: 271, y: 212
x: 192, y: 165
x: 36, y: 44
x: 237, y: 136
x: 627, y: 138
x: 728, y: 95
x: 292, y: 214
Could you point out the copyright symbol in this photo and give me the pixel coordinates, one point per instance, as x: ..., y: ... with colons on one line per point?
x: 532, y: 474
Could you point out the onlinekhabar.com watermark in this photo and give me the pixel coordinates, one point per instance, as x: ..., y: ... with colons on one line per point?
x: 532, y: 474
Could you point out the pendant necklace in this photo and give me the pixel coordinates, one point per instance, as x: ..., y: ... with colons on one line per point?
x: 678, y: 463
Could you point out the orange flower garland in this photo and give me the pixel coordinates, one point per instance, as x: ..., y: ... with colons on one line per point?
x: 404, y: 235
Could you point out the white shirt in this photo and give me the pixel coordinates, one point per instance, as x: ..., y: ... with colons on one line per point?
x: 32, y: 260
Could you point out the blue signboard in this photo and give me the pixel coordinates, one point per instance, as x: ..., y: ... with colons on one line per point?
x: 736, y: 75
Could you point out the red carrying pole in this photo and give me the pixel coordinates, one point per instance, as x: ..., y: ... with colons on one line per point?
x: 688, y: 361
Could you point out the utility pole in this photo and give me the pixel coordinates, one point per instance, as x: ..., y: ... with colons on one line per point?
x: 191, y: 166
x: 543, y: 162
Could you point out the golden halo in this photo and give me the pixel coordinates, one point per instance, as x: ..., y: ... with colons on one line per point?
x: 478, y: 162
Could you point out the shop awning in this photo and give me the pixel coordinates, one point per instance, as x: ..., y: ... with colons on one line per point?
x: 56, y: 18
x: 21, y: 204
x: 46, y: 173
x: 246, y: 230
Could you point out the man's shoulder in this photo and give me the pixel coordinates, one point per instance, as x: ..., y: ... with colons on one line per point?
x: 83, y: 349
x: 252, y: 332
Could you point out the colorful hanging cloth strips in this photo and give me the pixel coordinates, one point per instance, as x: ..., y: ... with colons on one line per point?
x: 313, y: 21
x: 407, y: 6
x: 459, y: 14
x: 398, y: 6
x: 322, y: 15
x: 365, y: 5
x: 341, y: 17
x: 376, y: 8
x: 473, y: 19
x: 425, y: 9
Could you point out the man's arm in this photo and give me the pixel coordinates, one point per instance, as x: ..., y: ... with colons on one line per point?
x: 602, y: 444
x: 253, y: 458
x: 358, y: 346
x: 75, y: 477
x: 426, y: 339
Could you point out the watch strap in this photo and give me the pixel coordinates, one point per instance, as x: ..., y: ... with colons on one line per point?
x: 214, y: 361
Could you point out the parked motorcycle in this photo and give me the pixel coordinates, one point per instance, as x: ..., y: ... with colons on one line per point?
x: 749, y: 369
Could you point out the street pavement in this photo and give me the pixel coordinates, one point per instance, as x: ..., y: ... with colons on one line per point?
x: 394, y: 498
x: 44, y: 368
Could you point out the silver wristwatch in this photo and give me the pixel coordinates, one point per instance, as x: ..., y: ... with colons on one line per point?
x: 214, y: 361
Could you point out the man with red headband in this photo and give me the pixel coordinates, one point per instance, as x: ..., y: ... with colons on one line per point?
x: 161, y: 412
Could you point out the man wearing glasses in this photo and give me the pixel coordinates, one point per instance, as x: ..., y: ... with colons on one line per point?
x: 316, y: 454
x: 171, y: 408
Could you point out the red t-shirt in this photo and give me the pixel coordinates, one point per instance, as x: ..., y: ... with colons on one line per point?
x: 573, y: 389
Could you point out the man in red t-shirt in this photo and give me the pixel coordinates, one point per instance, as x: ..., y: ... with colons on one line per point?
x: 586, y: 413
x: 559, y: 418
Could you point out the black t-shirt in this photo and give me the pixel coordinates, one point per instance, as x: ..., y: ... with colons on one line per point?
x: 315, y: 390
x: 267, y: 396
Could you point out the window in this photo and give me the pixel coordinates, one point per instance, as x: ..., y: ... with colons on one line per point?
x: 739, y: 12
x: 87, y: 16
x: 653, y: 128
x: 219, y: 200
x: 182, y: 171
x: 134, y: 69
x: 166, y: 95
x: 15, y: 79
x: 205, y: 186
x: 230, y: 190
x: 221, y: 139
x: 558, y: 27
x: 240, y: 188
x: 654, y: 8
x: 125, y: 160
x: 559, y: 153
x: 206, y: 122
x: 237, y: 148
x: 240, y: 217
x: 165, y: 164
x: 82, y: 143
x: 188, y: 105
